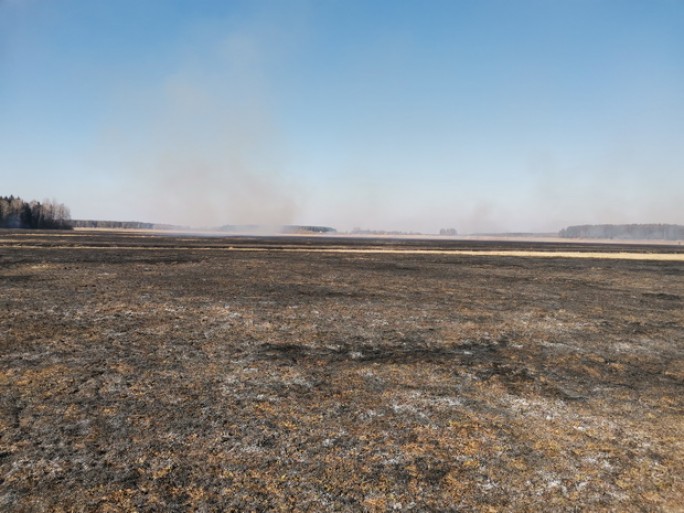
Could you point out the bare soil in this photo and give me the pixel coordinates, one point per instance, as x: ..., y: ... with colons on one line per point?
x: 159, y: 373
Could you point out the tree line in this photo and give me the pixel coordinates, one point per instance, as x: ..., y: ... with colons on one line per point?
x: 118, y: 225
x: 624, y: 231
x: 17, y: 213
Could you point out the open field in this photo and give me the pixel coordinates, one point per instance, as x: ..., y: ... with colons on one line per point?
x: 159, y: 373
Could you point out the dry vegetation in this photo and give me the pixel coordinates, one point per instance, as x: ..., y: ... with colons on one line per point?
x: 171, y: 374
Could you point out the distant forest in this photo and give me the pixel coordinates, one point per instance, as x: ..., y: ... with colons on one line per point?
x: 118, y: 225
x: 624, y: 231
x: 228, y: 228
x: 17, y: 213
x: 284, y: 229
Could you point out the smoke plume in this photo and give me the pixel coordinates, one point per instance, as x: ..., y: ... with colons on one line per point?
x: 200, y: 145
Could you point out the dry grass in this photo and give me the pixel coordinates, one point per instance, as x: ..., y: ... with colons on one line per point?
x: 183, y: 379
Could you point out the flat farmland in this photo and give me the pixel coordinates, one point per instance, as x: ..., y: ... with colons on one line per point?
x: 178, y: 373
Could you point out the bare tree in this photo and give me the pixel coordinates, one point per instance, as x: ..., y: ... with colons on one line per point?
x: 16, y: 213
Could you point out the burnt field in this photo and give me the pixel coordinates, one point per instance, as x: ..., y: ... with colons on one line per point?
x: 157, y: 373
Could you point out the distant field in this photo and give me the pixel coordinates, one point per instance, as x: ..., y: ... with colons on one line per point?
x: 147, y: 372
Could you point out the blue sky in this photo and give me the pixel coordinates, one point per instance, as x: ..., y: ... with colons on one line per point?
x: 417, y: 115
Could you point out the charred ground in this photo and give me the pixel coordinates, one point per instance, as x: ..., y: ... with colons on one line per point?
x: 145, y: 373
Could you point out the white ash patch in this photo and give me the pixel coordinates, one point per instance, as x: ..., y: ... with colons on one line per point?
x: 370, y: 415
x: 541, y: 408
x: 298, y: 380
x: 449, y: 402
x: 409, y: 409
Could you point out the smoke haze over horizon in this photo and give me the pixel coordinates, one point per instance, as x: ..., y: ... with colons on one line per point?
x: 485, y: 116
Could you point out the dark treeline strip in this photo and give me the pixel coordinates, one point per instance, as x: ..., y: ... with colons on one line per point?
x: 624, y: 231
x: 283, y: 229
x: 17, y: 213
x: 125, y: 225
x: 233, y: 229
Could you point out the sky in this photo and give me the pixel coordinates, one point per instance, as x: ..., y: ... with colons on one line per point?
x: 479, y: 115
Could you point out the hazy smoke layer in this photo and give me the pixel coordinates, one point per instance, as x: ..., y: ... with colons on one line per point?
x: 200, y: 147
x: 199, y: 141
